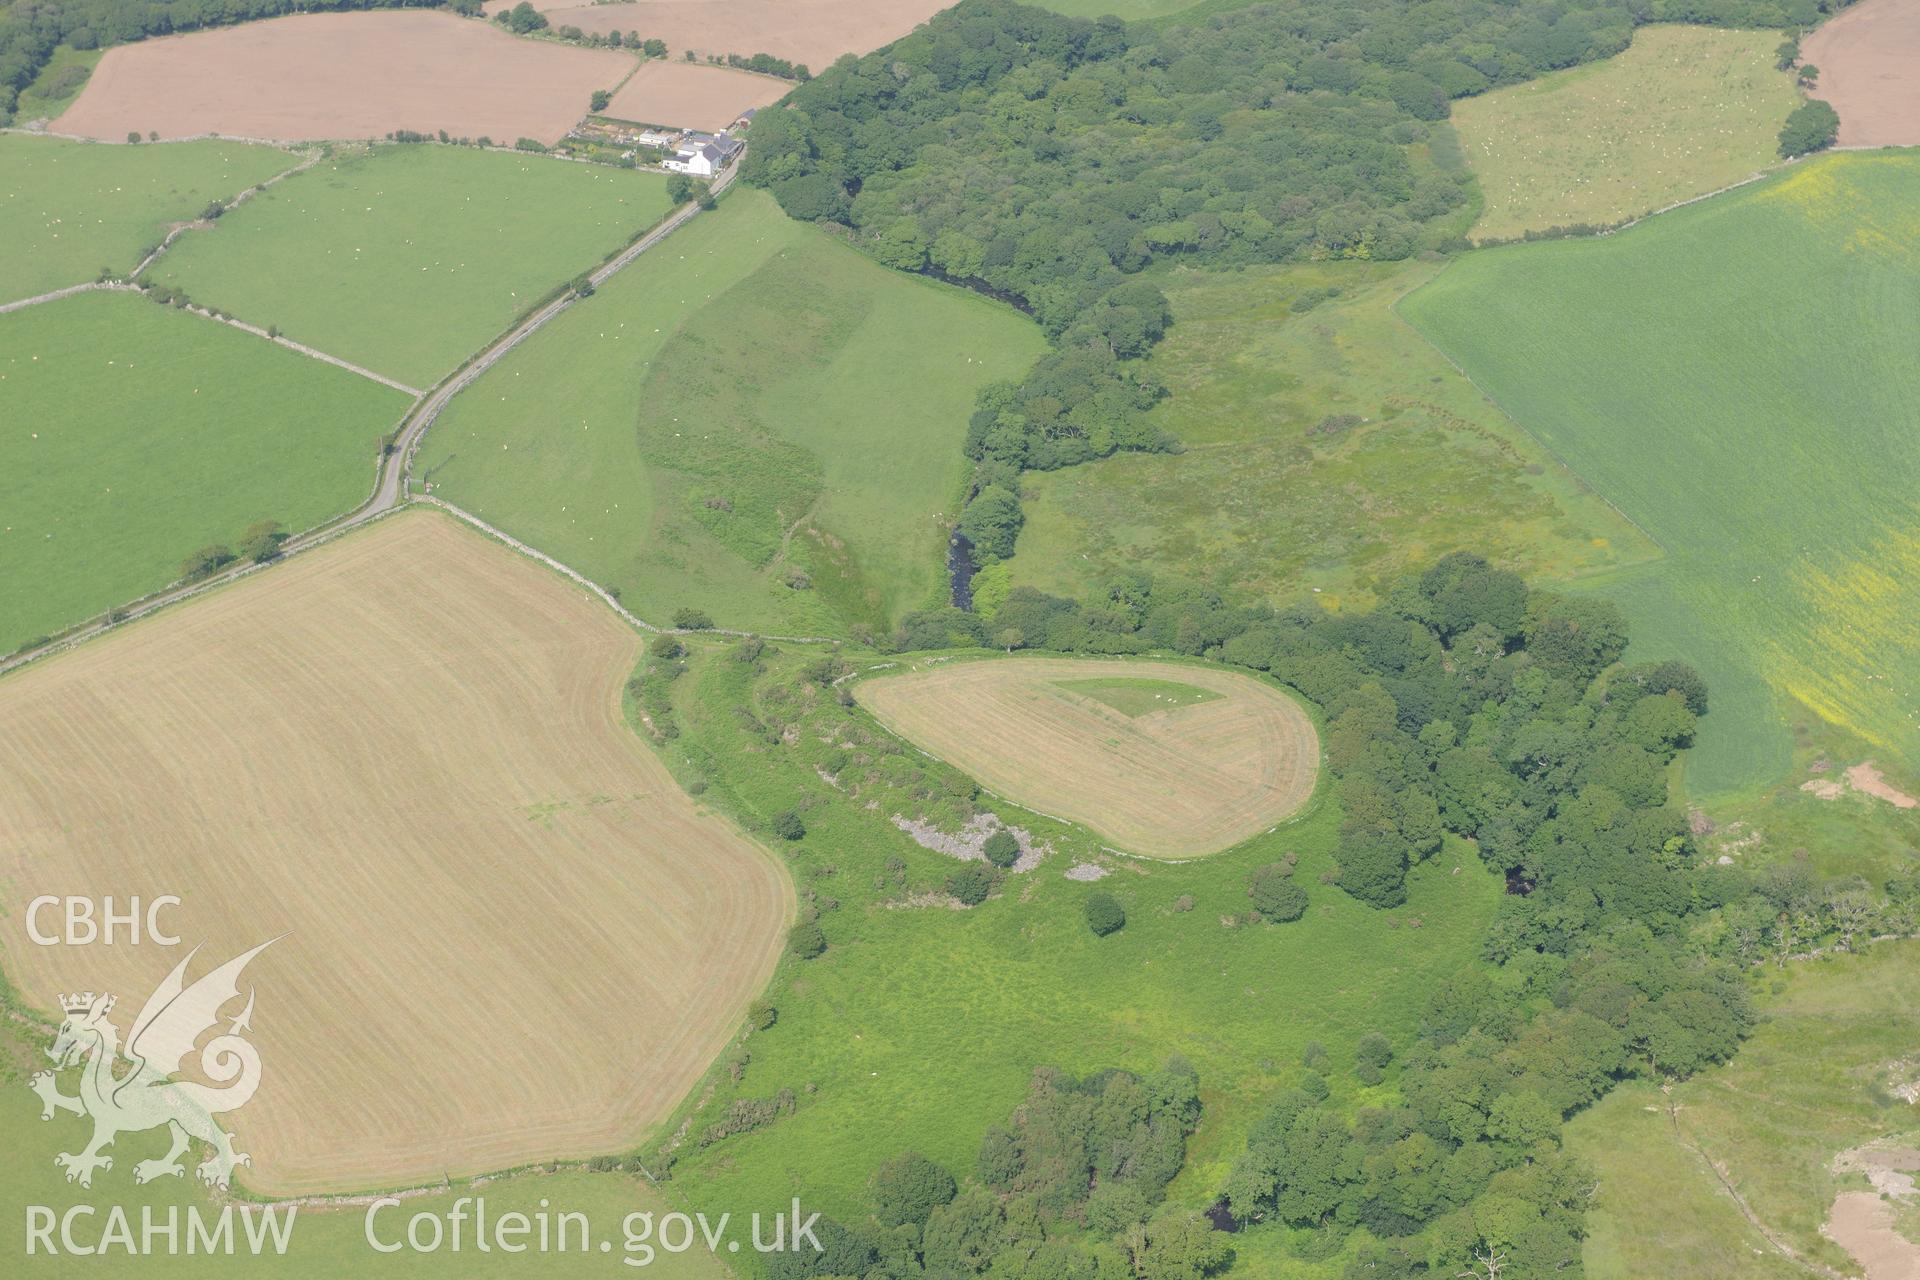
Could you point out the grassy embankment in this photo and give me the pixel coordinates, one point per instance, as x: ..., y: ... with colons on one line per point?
x: 755, y: 421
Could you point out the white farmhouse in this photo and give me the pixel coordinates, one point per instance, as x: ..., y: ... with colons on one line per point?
x: 701, y: 155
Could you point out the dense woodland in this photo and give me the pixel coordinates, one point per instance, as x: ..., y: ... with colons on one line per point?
x: 1047, y: 159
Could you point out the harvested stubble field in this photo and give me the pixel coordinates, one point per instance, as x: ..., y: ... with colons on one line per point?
x: 344, y: 76
x: 69, y: 208
x: 1683, y: 111
x: 134, y: 434
x: 1866, y: 58
x: 1178, y: 783
x: 814, y: 32
x: 690, y: 95
x: 407, y: 259
x: 509, y: 934
x: 1765, y: 446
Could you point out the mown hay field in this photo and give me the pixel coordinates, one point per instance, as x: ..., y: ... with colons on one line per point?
x: 753, y: 420
x: 1738, y: 377
x: 67, y: 208
x: 1167, y: 773
x: 1683, y: 111
x: 343, y: 76
x: 1327, y: 446
x: 408, y: 259
x: 134, y: 435
x: 508, y: 934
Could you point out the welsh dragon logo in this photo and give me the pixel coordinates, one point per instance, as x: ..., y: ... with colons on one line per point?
x: 148, y: 1094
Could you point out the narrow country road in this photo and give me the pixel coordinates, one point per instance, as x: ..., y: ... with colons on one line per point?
x: 396, y: 466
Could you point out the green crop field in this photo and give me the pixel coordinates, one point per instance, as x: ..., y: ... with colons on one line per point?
x: 1684, y: 111
x: 1326, y: 450
x: 68, y: 209
x: 753, y: 420
x: 1764, y: 444
x: 1813, y: 1082
x: 408, y: 259
x: 921, y: 1024
x: 136, y: 434
x: 325, y: 1242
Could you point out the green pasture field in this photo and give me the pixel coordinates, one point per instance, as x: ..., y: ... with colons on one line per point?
x: 67, y: 209
x: 1327, y: 450
x: 921, y: 1024
x: 325, y: 1243
x: 1683, y: 111
x: 1811, y: 1083
x: 753, y: 420
x: 57, y: 85
x: 1132, y: 697
x: 408, y: 259
x: 1737, y: 376
x: 137, y: 434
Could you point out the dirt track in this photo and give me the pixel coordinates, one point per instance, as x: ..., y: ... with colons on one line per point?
x: 811, y: 31
x: 1867, y: 58
x: 343, y: 76
x: 406, y: 752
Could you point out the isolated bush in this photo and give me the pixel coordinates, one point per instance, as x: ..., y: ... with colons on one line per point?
x: 971, y: 884
x: 788, y: 825
x: 1002, y: 849
x: 667, y: 647
x: 1105, y: 915
x: 807, y: 940
x: 598, y: 102
x: 1275, y: 896
x: 692, y: 620
x: 762, y: 1014
x: 908, y: 1188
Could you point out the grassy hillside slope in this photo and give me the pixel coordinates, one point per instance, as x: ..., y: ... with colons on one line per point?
x: 1813, y: 1082
x: 754, y: 421
x: 1738, y: 377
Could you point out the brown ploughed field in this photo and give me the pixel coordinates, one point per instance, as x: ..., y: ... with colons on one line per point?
x: 1868, y: 58
x: 344, y: 76
x: 811, y: 31
x: 686, y: 95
